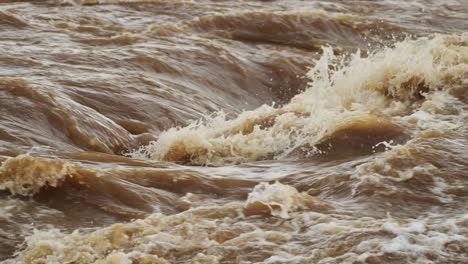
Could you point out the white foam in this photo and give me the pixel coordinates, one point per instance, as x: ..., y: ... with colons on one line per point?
x: 279, y: 198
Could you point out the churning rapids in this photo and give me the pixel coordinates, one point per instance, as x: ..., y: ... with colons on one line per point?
x: 170, y: 131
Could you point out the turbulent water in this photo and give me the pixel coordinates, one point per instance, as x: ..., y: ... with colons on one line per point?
x: 233, y: 131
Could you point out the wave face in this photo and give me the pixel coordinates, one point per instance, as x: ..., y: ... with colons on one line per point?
x: 153, y: 131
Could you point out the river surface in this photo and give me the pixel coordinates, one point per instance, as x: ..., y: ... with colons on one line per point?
x: 233, y: 131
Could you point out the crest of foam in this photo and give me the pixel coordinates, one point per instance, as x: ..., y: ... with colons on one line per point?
x: 342, y: 94
x: 277, y: 199
x: 24, y: 174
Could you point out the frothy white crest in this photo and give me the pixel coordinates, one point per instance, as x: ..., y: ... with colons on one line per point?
x: 365, y: 91
x: 277, y: 198
x: 25, y: 174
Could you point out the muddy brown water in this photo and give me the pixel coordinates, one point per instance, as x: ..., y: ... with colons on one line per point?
x: 233, y: 131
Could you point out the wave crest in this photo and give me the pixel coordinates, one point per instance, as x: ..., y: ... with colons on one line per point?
x: 345, y: 95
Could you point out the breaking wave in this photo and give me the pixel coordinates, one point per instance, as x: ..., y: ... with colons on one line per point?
x: 353, y: 97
